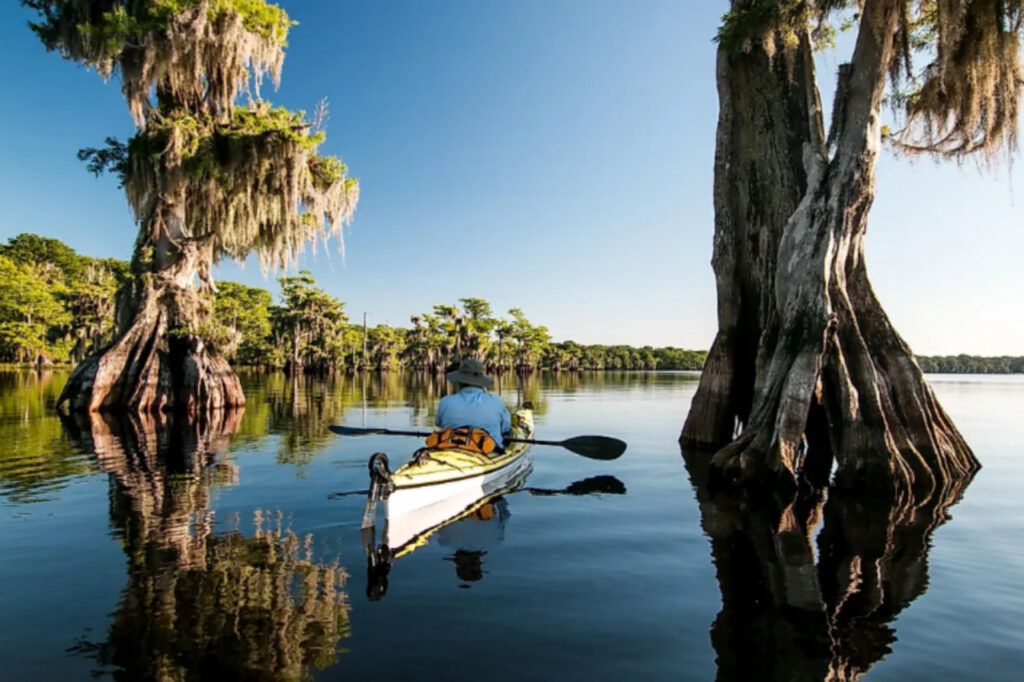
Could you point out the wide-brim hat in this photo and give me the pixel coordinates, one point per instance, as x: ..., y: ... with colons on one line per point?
x: 470, y: 373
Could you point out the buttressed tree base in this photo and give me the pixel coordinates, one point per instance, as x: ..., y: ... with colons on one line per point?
x: 206, y: 179
x: 807, y: 371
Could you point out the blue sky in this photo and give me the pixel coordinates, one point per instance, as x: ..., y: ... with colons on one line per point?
x: 553, y: 155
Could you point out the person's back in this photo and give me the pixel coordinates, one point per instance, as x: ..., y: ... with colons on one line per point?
x: 473, y: 406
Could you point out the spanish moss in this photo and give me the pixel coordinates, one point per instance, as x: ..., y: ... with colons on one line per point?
x: 969, y: 95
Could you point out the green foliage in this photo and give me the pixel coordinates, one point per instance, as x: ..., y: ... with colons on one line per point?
x: 243, y: 315
x: 246, y: 178
x: 312, y: 321
x: 760, y: 21
x: 748, y: 24
x: 529, y: 340
x: 971, y: 364
x: 97, y: 32
x: 29, y: 308
x: 55, y: 305
x: 258, y: 17
x: 31, y: 249
x: 90, y: 302
x: 310, y: 329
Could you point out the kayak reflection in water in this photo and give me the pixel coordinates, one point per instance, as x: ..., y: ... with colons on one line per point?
x: 475, y: 531
x: 472, y: 536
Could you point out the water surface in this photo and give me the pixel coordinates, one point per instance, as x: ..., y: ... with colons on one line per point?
x: 149, y: 551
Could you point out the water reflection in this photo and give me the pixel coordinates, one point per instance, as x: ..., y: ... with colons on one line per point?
x: 472, y: 536
x: 470, y: 532
x: 788, y: 614
x: 200, y: 605
x: 301, y: 407
x: 36, y: 461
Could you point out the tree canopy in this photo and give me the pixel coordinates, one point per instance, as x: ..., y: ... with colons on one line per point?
x: 251, y: 172
x: 954, y: 71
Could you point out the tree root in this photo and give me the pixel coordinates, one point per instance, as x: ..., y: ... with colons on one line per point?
x: 150, y: 369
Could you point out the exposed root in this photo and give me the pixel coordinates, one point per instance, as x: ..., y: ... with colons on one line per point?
x: 153, y: 368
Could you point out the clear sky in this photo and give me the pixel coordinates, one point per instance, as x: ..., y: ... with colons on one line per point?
x: 553, y: 155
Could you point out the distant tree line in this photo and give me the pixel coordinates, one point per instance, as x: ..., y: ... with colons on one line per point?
x: 971, y: 364
x: 57, y: 306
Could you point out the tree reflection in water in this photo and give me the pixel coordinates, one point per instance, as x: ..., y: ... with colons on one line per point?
x: 200, y: 605
x: 786, y: 615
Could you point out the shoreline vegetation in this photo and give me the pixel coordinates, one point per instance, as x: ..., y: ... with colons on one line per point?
x: 57, y: 306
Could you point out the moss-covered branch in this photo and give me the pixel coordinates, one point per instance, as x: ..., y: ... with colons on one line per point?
x: 197, y: 53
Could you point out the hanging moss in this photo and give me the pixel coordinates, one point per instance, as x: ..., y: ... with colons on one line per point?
x: 966, y: 99
x: 194, y: 52
x: 252, y: 183
x: 250, y: 176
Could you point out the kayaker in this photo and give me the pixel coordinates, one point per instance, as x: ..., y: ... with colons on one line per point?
x: 472, y: 405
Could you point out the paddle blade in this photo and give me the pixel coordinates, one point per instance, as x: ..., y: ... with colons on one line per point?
x: 595, y: 447
x: 352, y: 431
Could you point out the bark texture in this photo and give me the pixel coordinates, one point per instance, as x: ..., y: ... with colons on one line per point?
x: 807, y: 369
x: 158, y: 361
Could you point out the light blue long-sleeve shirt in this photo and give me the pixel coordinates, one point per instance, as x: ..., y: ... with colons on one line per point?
x: 473, y: 406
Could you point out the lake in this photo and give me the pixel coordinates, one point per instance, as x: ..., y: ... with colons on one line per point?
x: 228, y: 550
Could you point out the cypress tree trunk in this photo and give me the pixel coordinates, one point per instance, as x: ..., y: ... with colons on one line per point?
x: 158, y: 361
x: 806, y: 365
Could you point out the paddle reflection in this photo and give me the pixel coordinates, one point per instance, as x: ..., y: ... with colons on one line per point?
x: 200, y: 605
x: 786, y: 615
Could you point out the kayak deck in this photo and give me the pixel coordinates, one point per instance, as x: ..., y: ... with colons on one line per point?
x: 432, y: 466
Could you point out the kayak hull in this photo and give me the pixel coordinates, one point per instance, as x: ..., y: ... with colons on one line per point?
x: 414, y: 513
x: 439, y: 486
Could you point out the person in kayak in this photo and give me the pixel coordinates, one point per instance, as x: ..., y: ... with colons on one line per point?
x: 472, y: 405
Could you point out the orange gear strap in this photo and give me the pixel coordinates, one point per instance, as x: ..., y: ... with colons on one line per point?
x: 463, y: 438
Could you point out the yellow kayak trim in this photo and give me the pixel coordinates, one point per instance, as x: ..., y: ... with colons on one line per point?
x: 433, y: 466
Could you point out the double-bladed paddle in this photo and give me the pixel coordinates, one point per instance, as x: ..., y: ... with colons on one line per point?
x: 594, y: 447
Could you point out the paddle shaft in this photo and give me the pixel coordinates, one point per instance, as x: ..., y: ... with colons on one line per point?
x: 557, y: 443
x: 351, y: 430
x: 594, y: 447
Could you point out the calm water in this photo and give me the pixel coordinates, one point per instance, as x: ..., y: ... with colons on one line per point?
x: 223, y: 551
